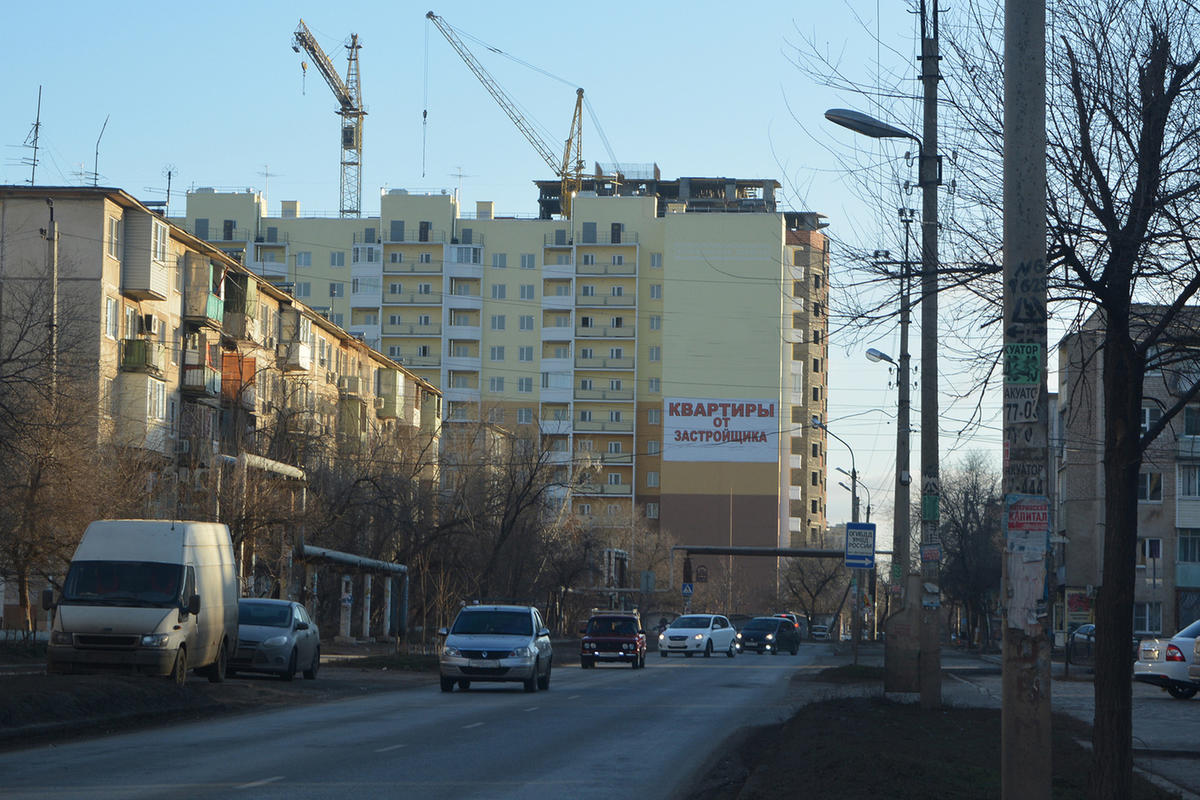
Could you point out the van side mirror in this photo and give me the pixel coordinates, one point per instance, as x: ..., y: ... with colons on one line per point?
x: 443, y: 632
x: 544, y: 632
x: 47, y: 599
x: 301, y: 626
x: 193, y: 605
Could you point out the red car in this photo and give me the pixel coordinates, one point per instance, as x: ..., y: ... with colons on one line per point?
x: 615, y: 636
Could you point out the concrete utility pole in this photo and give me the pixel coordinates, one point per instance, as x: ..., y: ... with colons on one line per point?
x: 51, y: 236
x: 1025, y: 752
x: 930, y: 176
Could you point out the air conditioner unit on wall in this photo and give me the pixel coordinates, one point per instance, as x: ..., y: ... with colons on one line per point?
x: 148, y: 325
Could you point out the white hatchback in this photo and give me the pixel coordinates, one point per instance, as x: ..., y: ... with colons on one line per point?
x: 698, y: 633
x: 1171, y: 664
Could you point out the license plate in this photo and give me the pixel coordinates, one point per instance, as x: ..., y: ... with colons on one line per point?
x: 482, y: 664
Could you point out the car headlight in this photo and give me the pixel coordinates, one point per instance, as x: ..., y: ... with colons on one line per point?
x: 626, y: 646
x: 276, y: 641
x: 739, y: 636
x: 61, y: 637
x: 770, y: 636
x: 155, y: 640
x: 522, y: 652
x: 698, y: 636
x: 451, y: 652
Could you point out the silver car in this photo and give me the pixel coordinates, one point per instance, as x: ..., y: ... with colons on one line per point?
x: 496, y: 643
x: 276, y: 636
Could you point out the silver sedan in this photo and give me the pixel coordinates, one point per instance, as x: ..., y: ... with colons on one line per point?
x: 276, y: 636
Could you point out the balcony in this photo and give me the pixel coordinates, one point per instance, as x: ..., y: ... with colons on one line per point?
x: 294, y: 356
x: 461, y: 362
x: 421, y: 362
x: 350, y: 386
x: 601, y: 301
x: 412, y: 267
x: 556, y: 394
x: 558, y: 457
x: 616, y: 459
x: 412, y: 299
x: 462, y: 394
x: 241, y: 326
x: 143, y: 355
x: 201, y: 380
x: 415, y: 237
x: 602, y: 238
x: 204, y: 308
x: 560, y: 365
x: 604, y: 427
x: 554, y: 427
x: 412, y: 329
x: 462, y: 331
x: 559, y: 271
x: 461, y: 269
x: 607, y: 269
x: 1187, y: 448
x: 558, y: 302
x: 271, y: 270
x: 605, y: 332
x: 623, y: 363
x: 560, y: 238
x: 620, y: 489
x: 616, y: 395
x: 557, y: 333
x: 465, y: 302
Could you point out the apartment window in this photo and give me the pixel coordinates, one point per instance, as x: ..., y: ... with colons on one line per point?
x: 614, y: 384
x: 1149, y: 549
x: 587, y: 290
x: 526, y: 322
x: 425, y: 258
x: 525, y: 385
x: 585, y: 416
x: 496, y: 384
x: 618, y: 322
x: 816, y: 365
x: 655, y: 322
x: 337, y: 258
x: 617, y: 291
x: 1189, y: 481
x: 1191, y: 421
x: 656, y: 291
x: 423, y: 351
x: 497, y: 322
x: 614, y: 416
x: 816, y: 479
x: 816, y: 281
x: 654, y: 385
x: 524, y: 416
x: 496, y: 415
x: 585, y: 353
x: 585, y: 384
x: 1147, y: 617
x: 651, y: 510
x: 1150, y: 487
x: 394, y: 352
x: 114, y: 237
x: 586, y: 322
x: 562, y: 258
x: 337, y: 289
x: 500, y: 260
x: 612, y: 509
x: 156, y: 400
x: 527, y: 291
x: 112, y: 318
x: 525, y: 353
x: 338, y: 319
x: 816, y: 449
x: 656, y: 259
x: 614, y: 448
x: 159, y: 245
x: 1150, y: 415
x: 585, y: 445
x: 422, y: 319
x: 131, y: 322
x: 652, y: 479
x: 370, y: 318
x: 499, y: 291
x: 424, y: 288
x: 816, y: 393
x: 396, y: 257
x: 589, y: 259
x: 527, y: 261
x: 585, y: 509
x: 397, y: 230
x: 1189, y: 545
x: 812, y: 506
x: 618, y: 260
x: 395, y: 288
x: 654, y: 353
x: 816, y: 309
x: 304, y: 259
x: 818, y: 336
x: 496, y: 353
x: 654, y: 416
x: 614, y: 479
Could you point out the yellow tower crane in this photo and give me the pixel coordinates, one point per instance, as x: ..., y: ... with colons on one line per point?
x: 570, y: 167
x: 349, y: 97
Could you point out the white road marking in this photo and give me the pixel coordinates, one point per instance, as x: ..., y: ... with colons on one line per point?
x: 575, y: 697
x: 390, y: 747
x: 472, y: 725
x: 263, y: 782
x: 533, y: 708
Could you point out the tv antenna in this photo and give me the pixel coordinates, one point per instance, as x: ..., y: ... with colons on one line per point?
x: 31, y: 141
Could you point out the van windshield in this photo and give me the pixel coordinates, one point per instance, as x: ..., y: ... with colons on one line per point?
x: 135, y: 583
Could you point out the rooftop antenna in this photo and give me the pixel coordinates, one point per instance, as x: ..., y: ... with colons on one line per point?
x: 96, y: 164
x: 460, y: 175
x: 266, y: 174
x: 31, y: 141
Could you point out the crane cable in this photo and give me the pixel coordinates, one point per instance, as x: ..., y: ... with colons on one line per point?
x: 425, y: 102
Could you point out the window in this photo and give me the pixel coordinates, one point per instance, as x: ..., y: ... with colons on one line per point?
x: 1189, y: 480
x: 614, y: 384
x: 527, y: 291
x: 156, y: 400
x: 1189, y: 545
x: 527, y: 261
x: 496, y: 353
x: 337, y: 258
x: 618, y: 260
x: 614, y: 479
x: 614, y: 448
x: 395, y: 288
x: 655, y: 322
x: 652, y: 447
x: 585, y: 445
x: 496, y: 384
x: 812, y: 506
x: 816, y: 365
x: 585, y: 509
x: 131, y: 322
x: 585, y: 353
x: 525, y: 385
x: 1150, y: 487
x: 525, y: 353
x: 500, y: 260
x: 652, y: 479
x: 424, y: 288
x: 816, y: 449
x: 397, y: 230
x: 1150, y: 415
x: 589, y: 259
x: 654, y: 416
x: 497, y: 322
x: 499, y: 291
x: 1149, y: 549
x: 496, y: 415
x: 587, y: 290
x: 338, y: 319
x: 1147, y: 617
x: 526, y: 322
x: 656, y: 259
x: 112, y: 318
x: 585, y: 416
x: 159, y: 245
x: 654, y: 353
x: 585, y: 384
x: 396, y: 257
x: 1191, y: 421
x: 618, y: 322
x: 612, y: 509
x: 656, y: 291
x: 617, y: 291
x: 337, y: 289
x: 816, y: 479
x: 562, y: 258
x: 614, y: 416
x: 114, y: 237
x: 423, y: 351
x: 524, y: 416
x: 816, y: 393
x: 394, y: 352
x: 586, y: 322
x: 651, y: 510
x: 422, y: 319
x: 304, y: 259
x: 654, y: 385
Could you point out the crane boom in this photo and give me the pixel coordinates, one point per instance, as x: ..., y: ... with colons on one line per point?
x: 349, y: 96
x: 570, y: 168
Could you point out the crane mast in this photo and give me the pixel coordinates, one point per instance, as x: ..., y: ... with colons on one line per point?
x: 349, y: 96
x: 570, y: 168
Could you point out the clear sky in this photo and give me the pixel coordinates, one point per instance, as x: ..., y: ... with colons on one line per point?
x: 706, y: 88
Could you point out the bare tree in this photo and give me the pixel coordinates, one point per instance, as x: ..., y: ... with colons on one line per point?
x: 970, y: 521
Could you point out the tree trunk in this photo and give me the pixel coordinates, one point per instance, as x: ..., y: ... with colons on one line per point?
x: 1112, y: 734
x: 23, y: 600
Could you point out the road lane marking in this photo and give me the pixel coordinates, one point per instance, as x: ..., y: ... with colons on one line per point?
x: 472, y: 725
x: 256, y: 784
x: 390, y: 747
x: 533, y: 708
x: 575, y: 697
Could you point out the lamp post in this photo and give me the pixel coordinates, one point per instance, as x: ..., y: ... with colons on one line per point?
x: 856, y: 618
x: 930, y: 673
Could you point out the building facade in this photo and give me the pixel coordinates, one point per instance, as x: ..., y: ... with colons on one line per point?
x: 669, y: 338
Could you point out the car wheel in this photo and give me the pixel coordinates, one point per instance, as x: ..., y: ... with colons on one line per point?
x: 310, y: 674
x: 587, y: 663
x: 290, y: 671
x: 447, y: 684
x: 688, y: 654
x: 1182, y: 692
x: 543, y: 683
x: 708, y: 649
x: 463, y: 684
x: 662, y: 653
x: 642, y: 661
x: 178, y: 674
x: 531, y: 683
x: 216, y: 671
x: 732, y: 651
x: 795, y: 648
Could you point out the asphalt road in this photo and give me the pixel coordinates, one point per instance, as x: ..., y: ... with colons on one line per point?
x: 604, y: 732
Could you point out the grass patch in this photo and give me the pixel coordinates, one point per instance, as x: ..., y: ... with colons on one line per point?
x: 402, y: 662
x: 14, y: 651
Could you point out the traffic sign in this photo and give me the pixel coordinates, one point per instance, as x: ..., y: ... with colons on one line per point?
x: 687, y: 589
x: 860, y: 545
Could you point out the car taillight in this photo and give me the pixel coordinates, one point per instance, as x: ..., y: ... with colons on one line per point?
x: 1174, y: 653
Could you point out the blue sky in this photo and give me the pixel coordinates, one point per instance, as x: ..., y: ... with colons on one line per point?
x: 702, y: 88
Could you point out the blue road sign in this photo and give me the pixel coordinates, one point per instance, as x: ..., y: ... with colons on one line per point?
x: 687, y: 589
x: 860, y: 545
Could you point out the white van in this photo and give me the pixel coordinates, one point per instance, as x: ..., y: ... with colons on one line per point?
x: 143, y: 595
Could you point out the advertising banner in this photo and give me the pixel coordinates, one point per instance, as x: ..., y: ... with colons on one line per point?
x: 711, y: 429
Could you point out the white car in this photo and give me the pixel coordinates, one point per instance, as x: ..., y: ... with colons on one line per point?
x: 1171, y: 664
x: 698, y: 633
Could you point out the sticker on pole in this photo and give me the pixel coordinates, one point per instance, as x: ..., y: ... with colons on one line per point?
x: 860, y: 545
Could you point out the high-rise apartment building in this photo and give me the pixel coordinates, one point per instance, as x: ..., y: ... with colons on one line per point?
x: 670, y: 338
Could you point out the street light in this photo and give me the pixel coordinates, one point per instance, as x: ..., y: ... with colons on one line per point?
x: 900, y: 511
x: 856, y: 619
x: 929, y: 177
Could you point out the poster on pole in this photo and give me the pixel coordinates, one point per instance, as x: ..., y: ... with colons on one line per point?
x: 1027, y: 540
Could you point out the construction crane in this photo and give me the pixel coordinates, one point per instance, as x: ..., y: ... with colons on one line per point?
x: 570, y: 166
x: 349, y: 97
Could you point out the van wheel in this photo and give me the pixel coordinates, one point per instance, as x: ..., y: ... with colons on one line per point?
x: 178, y: 674
x: 217, y: 670
x: 310, y: 674
x: 290, y: 672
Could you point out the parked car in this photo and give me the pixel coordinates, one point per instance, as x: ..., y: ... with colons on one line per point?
x: 698, y: 633
x: 276, y: 637
x: 1169, y: 664
x: 614, y: 636
x: 496, y: 643
x: 769, y: 635
x: 1081, y: 645
x: 820, y: 633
